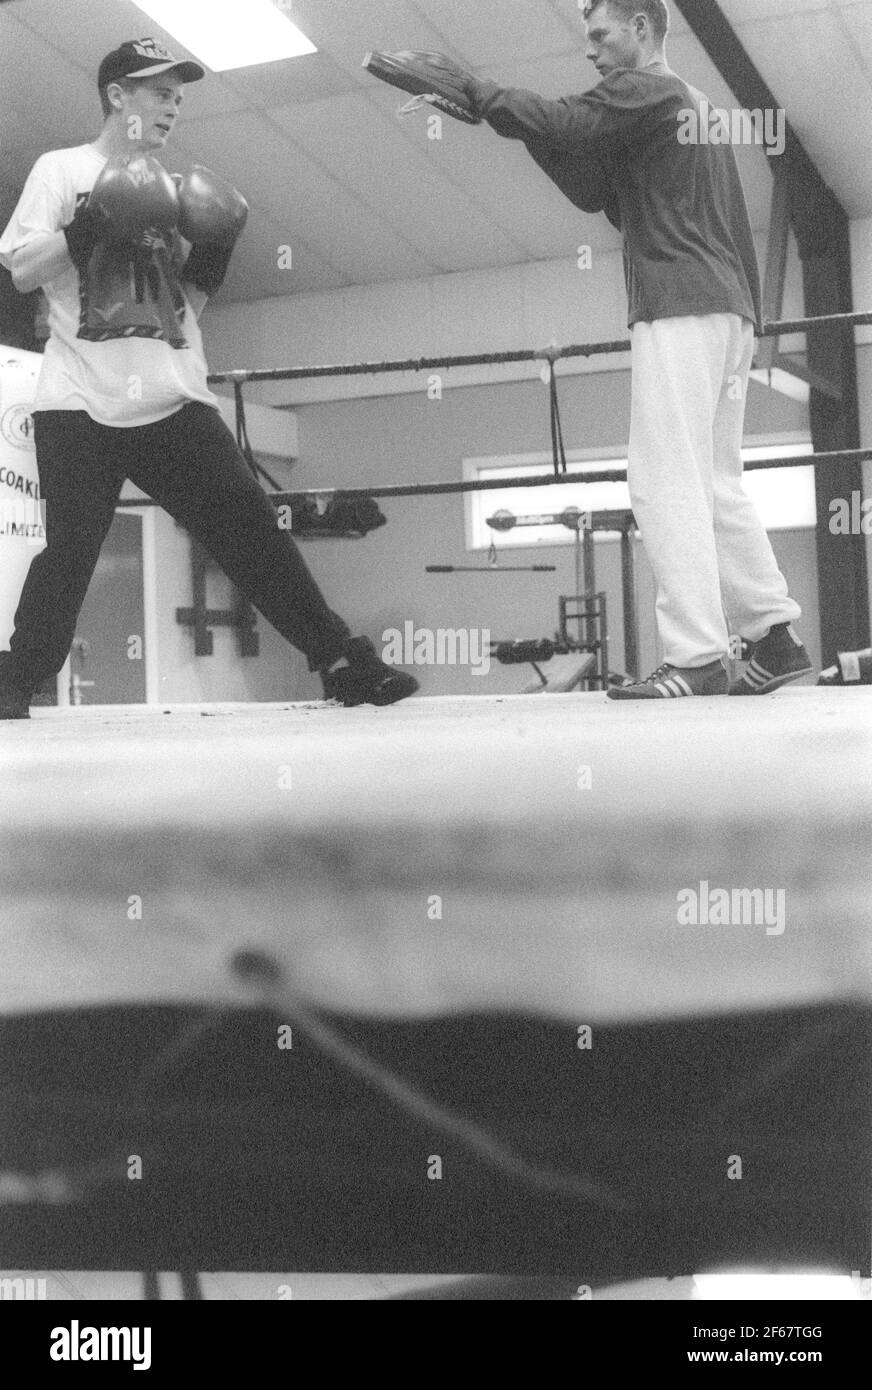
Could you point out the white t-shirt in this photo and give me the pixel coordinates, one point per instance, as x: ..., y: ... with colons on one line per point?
x: 124, y: 343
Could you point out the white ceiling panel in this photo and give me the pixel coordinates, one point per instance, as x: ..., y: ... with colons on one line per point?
x: 313, y: 77
x: 347, y: 29
x: 569, y: 13
x: 369, y: 154
x: 493, y: 31
x: 36, y: 83
x: 365, y: 150
x: 741, y: 11
x: 254, y: 274
x: 835, y: 135
x: 87, y: 29
x: 280, y: 179
x: 18, y: 132
x: 857, y: 20
x: 556, y: 75
x: 551, y: 76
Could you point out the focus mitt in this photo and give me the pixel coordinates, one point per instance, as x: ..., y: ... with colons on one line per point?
x: 432, y: 77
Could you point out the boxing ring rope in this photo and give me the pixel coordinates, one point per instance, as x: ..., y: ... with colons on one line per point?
x: 550, y: 355
x: 776, y: 329
x: 602, y: 475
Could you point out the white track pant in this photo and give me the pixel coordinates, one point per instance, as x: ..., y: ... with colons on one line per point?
x: 705, y: 542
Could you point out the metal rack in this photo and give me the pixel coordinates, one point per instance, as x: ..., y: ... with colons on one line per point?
x: 585, y: 610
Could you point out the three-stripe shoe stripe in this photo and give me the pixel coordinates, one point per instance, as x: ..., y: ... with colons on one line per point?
x: 675, y: 685
x: 757, y: 675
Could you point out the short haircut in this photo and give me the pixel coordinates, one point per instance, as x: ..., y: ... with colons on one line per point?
x: 129, y: 84
x: 656, y: 11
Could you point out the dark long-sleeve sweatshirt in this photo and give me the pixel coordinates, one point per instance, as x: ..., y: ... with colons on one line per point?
x: 681, y: 209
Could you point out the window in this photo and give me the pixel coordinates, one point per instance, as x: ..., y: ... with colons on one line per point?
x: 785, y: 497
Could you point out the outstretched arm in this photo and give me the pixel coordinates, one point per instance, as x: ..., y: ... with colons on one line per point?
x: 593, y: 124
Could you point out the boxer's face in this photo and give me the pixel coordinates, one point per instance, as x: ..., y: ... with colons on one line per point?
x: 150, y: 109
x: 613, y: 42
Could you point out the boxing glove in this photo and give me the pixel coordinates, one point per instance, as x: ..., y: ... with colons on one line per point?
x: 211, y: 211
x: 211, y: 216
x: 134, y: 194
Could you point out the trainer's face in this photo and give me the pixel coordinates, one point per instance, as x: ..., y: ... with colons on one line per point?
x: 151, y: 109
x: 612, y: 42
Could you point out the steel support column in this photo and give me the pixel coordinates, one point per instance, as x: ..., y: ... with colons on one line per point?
x: 822, y: 232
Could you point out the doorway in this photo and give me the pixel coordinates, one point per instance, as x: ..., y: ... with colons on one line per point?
x: 107, y: 663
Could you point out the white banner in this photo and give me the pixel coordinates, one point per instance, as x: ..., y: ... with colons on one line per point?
x: 22, y: 534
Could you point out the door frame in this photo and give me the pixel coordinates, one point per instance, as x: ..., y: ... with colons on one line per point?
x: 150, y: 617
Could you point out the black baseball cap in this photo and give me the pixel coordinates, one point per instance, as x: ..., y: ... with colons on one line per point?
x: 145, y: 58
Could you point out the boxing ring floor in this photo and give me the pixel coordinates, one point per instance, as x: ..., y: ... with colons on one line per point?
x: 434, y: 899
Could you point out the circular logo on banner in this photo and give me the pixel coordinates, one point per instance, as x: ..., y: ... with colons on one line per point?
x: 16, y: 426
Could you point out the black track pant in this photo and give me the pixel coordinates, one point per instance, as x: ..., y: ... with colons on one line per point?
x: 191, y: 465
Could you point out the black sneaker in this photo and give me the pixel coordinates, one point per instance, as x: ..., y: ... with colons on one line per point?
x: 366, y: 680
x: 778, y: 658
x: 14, y: 698
x: 852, y: 668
